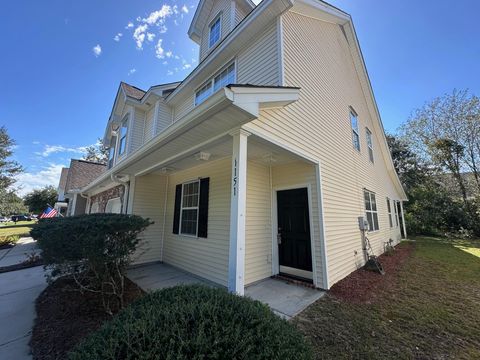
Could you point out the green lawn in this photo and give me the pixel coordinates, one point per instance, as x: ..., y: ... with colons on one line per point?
x: 432, y: 311
x: 21, y: 229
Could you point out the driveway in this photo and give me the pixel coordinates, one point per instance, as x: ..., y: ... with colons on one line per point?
x: 18, y: 291
x: 24, y: 247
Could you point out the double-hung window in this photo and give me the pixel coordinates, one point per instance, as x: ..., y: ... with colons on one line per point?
x: 123, y: 137
x: 355, y: 133
x: 111, y: 152
x: 371, y: 210
x: 370, y: 145
x: 395, y: 205
x: 189, y: 208
x: 389, y: 208
x: 223, y: 78
x: 215, y: 31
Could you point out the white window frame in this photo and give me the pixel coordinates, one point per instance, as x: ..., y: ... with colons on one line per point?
x: 189, y: 208
x: 109, y: 202
x: 124, y: 137
x: 355, y: 130
x: 397, y: 220
x: 389, y: 211
x: 371, y: 227
x: 94, y: 208
x: 369, y: 137
x: 218, y: 19
x: 111, y: 152
x: 210, y: 83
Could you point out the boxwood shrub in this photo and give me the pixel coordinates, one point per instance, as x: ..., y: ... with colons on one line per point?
x: 194, y: 322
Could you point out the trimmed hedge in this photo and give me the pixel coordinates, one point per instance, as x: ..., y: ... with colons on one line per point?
x: 194, y: 322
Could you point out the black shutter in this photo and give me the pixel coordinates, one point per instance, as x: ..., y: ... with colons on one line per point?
x: 203, y: 208
x: 176, y: 214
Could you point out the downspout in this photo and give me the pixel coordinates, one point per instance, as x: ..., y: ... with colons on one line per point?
x: 126, y: 185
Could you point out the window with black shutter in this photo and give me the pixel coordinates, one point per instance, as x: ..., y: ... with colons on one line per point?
x: 191, y: 208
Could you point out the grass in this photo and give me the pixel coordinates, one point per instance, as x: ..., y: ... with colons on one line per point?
x: 21, y: 229
x: 432, y: 312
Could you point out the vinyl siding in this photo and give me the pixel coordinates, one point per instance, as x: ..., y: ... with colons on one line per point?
x: 164, y: 117
x: 259, y: 63
x: 149, y: 202
x: 223, y: 7
x: 137, y: 124
x: 205, y: 257
x: 317, y: 58
x: 239, y: 15
x: 258, y: 237
x: 148, y: 128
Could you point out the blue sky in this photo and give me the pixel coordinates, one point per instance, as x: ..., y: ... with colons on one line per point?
x: 61, y: 63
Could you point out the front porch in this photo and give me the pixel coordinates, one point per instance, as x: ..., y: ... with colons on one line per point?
x: 284, y: 298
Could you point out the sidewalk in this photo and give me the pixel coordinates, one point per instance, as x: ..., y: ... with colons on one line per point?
x: 18, y: 291
x: 18, y: 253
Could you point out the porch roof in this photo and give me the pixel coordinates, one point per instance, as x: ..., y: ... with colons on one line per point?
x: 228, y: 109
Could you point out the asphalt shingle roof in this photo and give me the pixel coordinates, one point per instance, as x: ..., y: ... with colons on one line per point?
x: 81, y: 173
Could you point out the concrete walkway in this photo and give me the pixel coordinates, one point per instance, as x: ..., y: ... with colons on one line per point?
x: 285, y: 299
x: 19, y: 252
x: 18, y: 291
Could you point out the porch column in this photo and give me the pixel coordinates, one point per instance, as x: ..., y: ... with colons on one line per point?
x: 236, y: 258
x: 403, y: 220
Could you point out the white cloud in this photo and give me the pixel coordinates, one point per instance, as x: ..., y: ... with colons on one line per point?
x: 186, y: 66
x: 52, y: 149
x: 150, y: 36
x: 48, y: 175
x: 36, y: 142
x: 139, y: 35
x: 129, y: 25
x: 185, y: 9
x: 168, y: 54
x: 169, y: 72
x: 159, y: 52
x: 117, y: 37
x: 132, y: 71
x: 157, y: 17
x: 97, y: 50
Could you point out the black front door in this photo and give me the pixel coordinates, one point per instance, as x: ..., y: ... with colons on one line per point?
x: 294, y: 248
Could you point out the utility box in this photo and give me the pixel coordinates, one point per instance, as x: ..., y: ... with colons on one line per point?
x: 362, y: 223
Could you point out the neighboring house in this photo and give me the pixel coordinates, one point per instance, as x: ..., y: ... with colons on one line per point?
x: 80, y: 174
x: 261, y: 161
x: 62, y: 204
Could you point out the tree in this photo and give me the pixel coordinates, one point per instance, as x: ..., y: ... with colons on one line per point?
x: 446, y: 131
x: 10, y: 203
x: 97, y: 153
x: 8, y: 168
x: 38, y: 199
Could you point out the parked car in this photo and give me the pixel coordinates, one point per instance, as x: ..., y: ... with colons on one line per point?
x: 16, y: 218
x: 4, y: 219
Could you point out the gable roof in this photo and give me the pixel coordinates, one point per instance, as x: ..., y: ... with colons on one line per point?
x: 63, y: 179
x: 81, y: 173
x: 132, y: 91
x: 201, y: 16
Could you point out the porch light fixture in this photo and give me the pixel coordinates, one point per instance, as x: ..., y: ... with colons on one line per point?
x: 205, y: 156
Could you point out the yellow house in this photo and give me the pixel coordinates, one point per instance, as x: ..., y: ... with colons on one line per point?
x: 261, y: 161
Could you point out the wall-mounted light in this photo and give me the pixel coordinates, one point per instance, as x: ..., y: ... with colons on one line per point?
x: 205, y: 156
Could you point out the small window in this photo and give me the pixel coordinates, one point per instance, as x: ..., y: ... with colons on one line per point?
x: 395, y: 205
x: 189, y: 208
x: 215, y: 32
x: 203, y: 93
x: 225, y: 78
x: 123, y: 137
x: 371, y: 210
x: 94, y: 208
x: 389, y: 208
x: 111, y: 152
x: 355, y: 135
x: 370, y: 145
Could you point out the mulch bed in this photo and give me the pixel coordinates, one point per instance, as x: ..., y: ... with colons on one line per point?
x: 21, y: 266
x: 366, y: 287
x: 65, y: 317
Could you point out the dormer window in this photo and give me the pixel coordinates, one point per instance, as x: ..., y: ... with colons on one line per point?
x: 215, y: 31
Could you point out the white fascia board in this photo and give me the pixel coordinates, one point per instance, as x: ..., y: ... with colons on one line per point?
x: 321, y: 10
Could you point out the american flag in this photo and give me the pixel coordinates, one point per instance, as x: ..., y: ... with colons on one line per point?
x: 48, y: 213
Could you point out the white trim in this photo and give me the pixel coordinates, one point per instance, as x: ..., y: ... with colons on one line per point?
x: 275, y: 256
x: 281, y: 75
x: 238, y: 205
x: 403, y: 221
x: 321, y: 223
x: 114, y: 199
x: 164, y: 214
x: 131, y: 195
x: 232, y: 15
x: 373, y: 212
x: 219, y: 18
